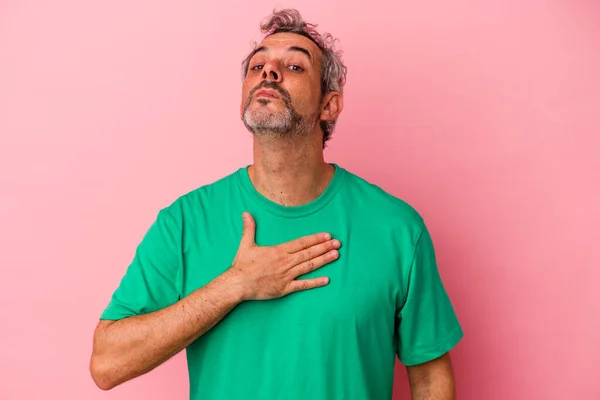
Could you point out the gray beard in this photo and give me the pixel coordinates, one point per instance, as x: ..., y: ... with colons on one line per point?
x: 264, y: 122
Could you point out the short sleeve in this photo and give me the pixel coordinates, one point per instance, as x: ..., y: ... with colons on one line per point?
x: 152, y: 280
x: 427, y: 326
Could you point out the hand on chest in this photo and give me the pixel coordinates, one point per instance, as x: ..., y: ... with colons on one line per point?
x: 364, y: 280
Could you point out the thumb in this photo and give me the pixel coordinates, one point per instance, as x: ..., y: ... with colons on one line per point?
x: 248, y: 235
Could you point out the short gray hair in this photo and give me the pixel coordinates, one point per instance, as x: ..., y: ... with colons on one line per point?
x: 333, y: 70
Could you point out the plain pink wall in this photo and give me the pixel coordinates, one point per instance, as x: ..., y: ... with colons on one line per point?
x: 483, y: 115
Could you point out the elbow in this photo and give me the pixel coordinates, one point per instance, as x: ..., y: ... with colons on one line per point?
x: 100, y: 374
x: 102, y: 365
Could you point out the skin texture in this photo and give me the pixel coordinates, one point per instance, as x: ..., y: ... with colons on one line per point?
x: 289, y: 168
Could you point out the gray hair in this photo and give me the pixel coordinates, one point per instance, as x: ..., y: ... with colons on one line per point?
x: 333, y: 70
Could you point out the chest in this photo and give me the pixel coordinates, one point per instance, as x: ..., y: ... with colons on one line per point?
x: 365, y: 281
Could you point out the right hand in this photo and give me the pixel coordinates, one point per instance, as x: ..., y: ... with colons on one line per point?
x: 268, y: 272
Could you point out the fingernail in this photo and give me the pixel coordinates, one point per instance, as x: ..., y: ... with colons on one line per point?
x: 336, y: 243
x: 327, y: 236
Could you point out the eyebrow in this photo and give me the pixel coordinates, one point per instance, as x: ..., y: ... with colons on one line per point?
x: 291, y: 48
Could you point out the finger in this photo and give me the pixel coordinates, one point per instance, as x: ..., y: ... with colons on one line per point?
x: 248, y: 235
x: 316, y: 251
x: 316, y: 263
x: 305, y: 284
x: 305, y: 242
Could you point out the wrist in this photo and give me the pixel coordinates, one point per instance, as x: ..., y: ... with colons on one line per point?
x: 233, y: 284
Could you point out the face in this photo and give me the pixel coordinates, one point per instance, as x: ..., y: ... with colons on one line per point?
x: 281, y: 93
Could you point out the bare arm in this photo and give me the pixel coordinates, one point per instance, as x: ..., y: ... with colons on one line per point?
x: 135, y: 345
x: 433, y: 380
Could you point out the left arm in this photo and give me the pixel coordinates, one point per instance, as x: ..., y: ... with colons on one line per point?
x: 433, y: 380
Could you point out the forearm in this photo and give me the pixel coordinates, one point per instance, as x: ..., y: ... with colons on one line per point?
x: 133, y: 346
x: 433, y: 380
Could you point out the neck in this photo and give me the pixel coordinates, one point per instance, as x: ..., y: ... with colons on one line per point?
x: 290, y: 171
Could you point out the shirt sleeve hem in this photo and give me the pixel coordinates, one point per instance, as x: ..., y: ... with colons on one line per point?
x: 434, y: 352
x: 115, y: 314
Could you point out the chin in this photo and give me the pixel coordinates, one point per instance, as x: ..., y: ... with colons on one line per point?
x: 264, y: 120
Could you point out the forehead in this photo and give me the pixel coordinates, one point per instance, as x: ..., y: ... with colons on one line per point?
x: 284, y: 40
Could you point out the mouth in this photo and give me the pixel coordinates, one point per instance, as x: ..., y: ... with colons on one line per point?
x: 266, y: 93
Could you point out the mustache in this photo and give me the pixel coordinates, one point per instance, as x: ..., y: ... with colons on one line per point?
x: 272, y: 85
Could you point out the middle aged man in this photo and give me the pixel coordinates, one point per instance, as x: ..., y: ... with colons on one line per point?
x: 329, y: 279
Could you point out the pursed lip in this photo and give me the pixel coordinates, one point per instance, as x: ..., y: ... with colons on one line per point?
x: 266, y: 93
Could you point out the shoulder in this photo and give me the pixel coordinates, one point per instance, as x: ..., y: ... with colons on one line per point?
x: 378, y: 205
x: 380, y: 201
x: 195, y: 201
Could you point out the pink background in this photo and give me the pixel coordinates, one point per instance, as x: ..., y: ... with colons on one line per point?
x: 483, y: 115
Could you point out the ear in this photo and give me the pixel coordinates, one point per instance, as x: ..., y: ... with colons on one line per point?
x: 331, y: 106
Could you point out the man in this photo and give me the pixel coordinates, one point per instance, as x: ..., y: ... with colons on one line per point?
x: 313, y: 295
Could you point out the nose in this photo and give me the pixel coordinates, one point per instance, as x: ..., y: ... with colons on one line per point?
x: 271, y: 72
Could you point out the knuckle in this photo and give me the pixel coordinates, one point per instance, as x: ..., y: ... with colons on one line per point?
x: 303, y: 243
x: 309, y: 255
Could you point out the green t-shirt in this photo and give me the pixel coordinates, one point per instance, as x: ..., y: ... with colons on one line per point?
x: 385, y: 296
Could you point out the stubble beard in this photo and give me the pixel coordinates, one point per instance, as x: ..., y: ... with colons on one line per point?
x: 265, y: 122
